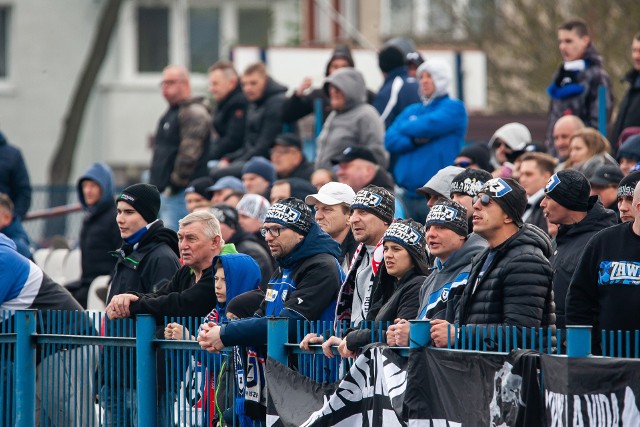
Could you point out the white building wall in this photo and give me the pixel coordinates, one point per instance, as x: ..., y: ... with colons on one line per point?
x: 49, y: 42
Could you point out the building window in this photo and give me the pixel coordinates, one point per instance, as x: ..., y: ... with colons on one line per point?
x: 253, y: 27
x: 4, y: 41
x: 204, y: 38
x: 400, y: 18
x: 153, y: 38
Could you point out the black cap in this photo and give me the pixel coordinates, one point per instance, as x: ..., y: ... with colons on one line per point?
x: 144, y: 198
x: 628, y: 184
x: 570, y: 188
x: 288, y: 140
x: 201, y: 187
x: 607, y: 175
x: 292, y: 213
x: 226, y: 215
x: 352, y: 153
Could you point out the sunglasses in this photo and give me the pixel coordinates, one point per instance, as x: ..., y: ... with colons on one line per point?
x: 484, y: 199
x: 463, y: 164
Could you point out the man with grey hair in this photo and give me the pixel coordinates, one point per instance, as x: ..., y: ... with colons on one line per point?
x: 199, y: 241
x: 604, y: 291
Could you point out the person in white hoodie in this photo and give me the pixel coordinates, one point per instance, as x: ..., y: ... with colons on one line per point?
x: 352, y: 122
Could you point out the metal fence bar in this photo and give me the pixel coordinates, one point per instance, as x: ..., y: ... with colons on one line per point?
x: 146, y: 370
x: 26, y: 366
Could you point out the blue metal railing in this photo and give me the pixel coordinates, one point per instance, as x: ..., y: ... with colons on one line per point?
x: 53, y: 365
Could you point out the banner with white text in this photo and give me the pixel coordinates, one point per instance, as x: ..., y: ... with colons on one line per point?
x: 590, y: 392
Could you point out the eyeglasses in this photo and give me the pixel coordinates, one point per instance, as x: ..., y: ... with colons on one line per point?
x: 463, y: 164
x: 273, y: 231
x: 484, y: 199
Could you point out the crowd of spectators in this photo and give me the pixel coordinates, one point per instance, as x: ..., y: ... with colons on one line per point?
x: 394, y: 218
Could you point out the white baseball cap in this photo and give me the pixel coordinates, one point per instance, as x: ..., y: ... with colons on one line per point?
x: 332, y: 193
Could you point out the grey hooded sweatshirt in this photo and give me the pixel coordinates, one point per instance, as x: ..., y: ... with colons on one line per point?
x: 357, y: 124
x: 441, y: 291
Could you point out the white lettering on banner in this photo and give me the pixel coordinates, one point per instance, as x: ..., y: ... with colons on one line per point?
x: 599, y: 409
x: 282, y: 212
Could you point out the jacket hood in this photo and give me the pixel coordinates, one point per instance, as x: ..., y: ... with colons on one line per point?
x: 271, y: 88
x: 241, y: 273
x: 440, y: 72
x: 597, y: 219
x: 529, y: 234
x: 351, y: 83
x: 100, y: 173
x: 159, y: 233
x: 316, y: 242
x: 340, y: 52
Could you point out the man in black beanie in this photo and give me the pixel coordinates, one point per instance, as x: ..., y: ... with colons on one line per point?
x: 149, y: 254
x: 625, y: 196
x: 304, y: 287
x: 398, y: 89
x: 147, y: 260
x: 465, y: 187
x: 604, y: 291
x: 579, y: 216
x: 510, y: 281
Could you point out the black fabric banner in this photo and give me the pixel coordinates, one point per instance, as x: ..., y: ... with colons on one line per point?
x: 454, y: 388
x: 371, y: 394
x: 591, y: 391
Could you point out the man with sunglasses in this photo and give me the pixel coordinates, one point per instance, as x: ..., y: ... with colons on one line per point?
x: 510, y: 281
x: 304, y: 286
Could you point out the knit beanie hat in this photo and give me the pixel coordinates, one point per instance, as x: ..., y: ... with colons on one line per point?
x: 144, y: 198
x: 570, y: 189
x: 449, y: 214
x: 390, y: 57
x: 479, y: 154
x: 630, y: 149
x: 226, y: 215
x: 628, y: 184
x: 253, y: 205
x: 292, y: 213
x: 410, y: 235
x: 260, y: 166
x: 469, y: 182
x: 200, y: 186
x: 509, y: 195
x: 377, y: 201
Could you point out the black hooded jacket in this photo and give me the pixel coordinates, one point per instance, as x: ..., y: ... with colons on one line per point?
x: 263, y: 123
x: 149, y: 266
x: 516, y: 288
x: 567, y: 249
x: 228, y: 124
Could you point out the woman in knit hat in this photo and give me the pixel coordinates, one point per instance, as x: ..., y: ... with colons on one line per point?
x: 396, y: 292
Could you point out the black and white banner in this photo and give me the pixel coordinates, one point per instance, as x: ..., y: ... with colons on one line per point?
x: 371, y: 394
x: 591, y: 392
x: 447, y: 388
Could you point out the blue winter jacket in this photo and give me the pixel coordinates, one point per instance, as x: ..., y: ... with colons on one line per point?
x: 312, y: 267
x: 424, y: 138
x: 241, y: 274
